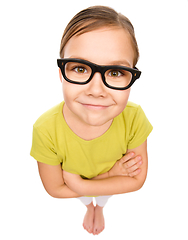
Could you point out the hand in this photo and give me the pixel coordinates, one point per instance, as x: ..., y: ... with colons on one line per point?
x: 73, y: 181
x: 128, y: 166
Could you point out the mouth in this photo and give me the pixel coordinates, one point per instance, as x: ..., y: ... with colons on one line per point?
x: 95, y: 107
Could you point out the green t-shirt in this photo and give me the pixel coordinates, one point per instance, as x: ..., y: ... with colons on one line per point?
x: 55, y: 143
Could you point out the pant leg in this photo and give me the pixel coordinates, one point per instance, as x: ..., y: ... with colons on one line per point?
x: 102, y: 200
x: 86, y: 200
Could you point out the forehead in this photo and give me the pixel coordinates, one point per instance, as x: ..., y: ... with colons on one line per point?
x: 102, y: 46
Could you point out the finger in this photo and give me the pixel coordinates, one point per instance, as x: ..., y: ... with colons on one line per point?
x: 127, y: 157
x: 134, y: 167
x: 135, y: 173
x: 132, y: 162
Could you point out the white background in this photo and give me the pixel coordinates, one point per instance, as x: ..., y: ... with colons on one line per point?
x: 30, y: 35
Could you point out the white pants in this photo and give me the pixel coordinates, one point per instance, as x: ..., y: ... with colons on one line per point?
x: 100, y: 201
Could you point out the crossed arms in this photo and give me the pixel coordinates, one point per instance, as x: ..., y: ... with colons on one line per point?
x: 127, y: 175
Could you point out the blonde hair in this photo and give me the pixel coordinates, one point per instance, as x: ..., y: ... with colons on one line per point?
x: 94, y: 18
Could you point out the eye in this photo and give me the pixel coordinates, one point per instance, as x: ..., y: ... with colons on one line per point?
x: 80, y: 69
x: 115, y: 73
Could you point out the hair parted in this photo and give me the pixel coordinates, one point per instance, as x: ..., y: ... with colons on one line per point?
x: 94, y: 18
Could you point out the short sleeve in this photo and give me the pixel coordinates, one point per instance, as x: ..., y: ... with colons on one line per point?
x: 43, y: 148
x: 140, y: 129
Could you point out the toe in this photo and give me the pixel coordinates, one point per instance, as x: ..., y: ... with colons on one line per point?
x: 90, y: 230
x: 95, y: 232
x: 99, y: 230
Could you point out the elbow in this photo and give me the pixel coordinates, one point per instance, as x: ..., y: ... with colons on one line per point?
x: 139, y: 184
x: 140, y: 180
x: 54, y: 193
x: 133, y: 186
x: 57, y: 195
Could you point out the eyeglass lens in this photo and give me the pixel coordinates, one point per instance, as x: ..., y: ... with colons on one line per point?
x: 79, y: 72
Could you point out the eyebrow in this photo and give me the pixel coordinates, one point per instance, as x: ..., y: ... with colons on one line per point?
x: 118, y: 62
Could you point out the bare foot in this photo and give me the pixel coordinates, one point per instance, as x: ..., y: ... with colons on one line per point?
x: 98, y: 220
x: 89, y: 218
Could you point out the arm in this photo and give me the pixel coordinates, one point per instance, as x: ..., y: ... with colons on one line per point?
x: 128, y: 166
x: 52, y: 176
x: 52, y: 179
x: 116, y: 184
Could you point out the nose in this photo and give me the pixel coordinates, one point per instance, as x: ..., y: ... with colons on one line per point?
x: 96, y: 87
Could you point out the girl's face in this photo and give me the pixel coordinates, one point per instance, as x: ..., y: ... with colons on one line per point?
x: 94, y: 104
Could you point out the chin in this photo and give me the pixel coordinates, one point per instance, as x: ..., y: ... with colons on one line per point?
x: 97, y: 122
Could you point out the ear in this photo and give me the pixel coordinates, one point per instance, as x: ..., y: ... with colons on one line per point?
x: 60, y: 75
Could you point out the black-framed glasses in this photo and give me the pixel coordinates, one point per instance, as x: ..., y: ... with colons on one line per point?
x: 80, y: 71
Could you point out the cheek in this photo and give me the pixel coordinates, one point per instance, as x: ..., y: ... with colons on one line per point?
x: 67, y: 88
x: 70, y: 91
x: 121, y: 98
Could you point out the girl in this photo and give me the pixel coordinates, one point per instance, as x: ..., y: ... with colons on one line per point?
x: 95, y: 135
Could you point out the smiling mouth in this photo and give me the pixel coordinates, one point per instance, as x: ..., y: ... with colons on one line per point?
x: 95, y: 107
